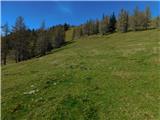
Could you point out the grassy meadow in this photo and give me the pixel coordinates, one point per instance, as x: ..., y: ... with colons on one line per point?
x: 110, y: 77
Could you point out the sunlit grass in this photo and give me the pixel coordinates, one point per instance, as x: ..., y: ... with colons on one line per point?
x: 112, y: 77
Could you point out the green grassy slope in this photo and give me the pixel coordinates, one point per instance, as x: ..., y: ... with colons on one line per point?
x: 113, y: 77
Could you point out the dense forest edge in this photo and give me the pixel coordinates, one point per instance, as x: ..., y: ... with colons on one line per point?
x: 21, y: 43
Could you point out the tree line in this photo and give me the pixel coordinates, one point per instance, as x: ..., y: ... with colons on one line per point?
x: 25, y: 43
x: 139, y: 20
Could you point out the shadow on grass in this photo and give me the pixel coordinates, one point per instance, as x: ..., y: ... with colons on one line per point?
x: 57, y: 49
x: 141, y: 30
x: 61, y: 48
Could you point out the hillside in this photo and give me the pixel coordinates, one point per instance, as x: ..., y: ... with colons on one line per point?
x: 111, y: 77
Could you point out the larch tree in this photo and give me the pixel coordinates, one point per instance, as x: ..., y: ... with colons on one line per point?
x: 147, y: 21
x: 59, y: 35
x: 20, y: 40
x: 104, y: 25
x: 123, y: 21
x: 4, y: 43
x: 134, y: 19
x: 42, y: 41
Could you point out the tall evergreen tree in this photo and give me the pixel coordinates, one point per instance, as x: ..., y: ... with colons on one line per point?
x: 112, y: 23
x: 66, y: 26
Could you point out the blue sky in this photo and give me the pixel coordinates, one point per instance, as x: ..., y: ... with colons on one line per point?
x: 71, y: 12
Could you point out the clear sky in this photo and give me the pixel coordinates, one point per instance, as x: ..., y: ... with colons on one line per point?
x: 75, y: 13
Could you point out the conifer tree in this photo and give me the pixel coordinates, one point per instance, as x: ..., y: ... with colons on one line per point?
x: 20, y: 42
x: 104, y: 25
x: 147, y: 18
x: 123, y: 21
x: 96, y: 27
x: 59, y: 35
x: 134, y: 24
x: 112, y: 23
x: 5, y: 43
x: 41, y: 40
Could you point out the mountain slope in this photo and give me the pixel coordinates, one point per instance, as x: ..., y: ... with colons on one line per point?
x: 110, y: 77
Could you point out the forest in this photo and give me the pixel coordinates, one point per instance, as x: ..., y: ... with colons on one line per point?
x: 23, y: 43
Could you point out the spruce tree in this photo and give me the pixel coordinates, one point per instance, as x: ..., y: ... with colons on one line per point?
x: 112, y: 23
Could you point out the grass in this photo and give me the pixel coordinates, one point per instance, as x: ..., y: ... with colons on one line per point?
x: 112, y: 77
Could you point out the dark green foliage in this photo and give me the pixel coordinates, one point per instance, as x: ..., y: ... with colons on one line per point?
x: 112, y: 23
x: 66, y: 26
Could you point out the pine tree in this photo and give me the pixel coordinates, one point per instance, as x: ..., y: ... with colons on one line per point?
x: 66, y: 26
